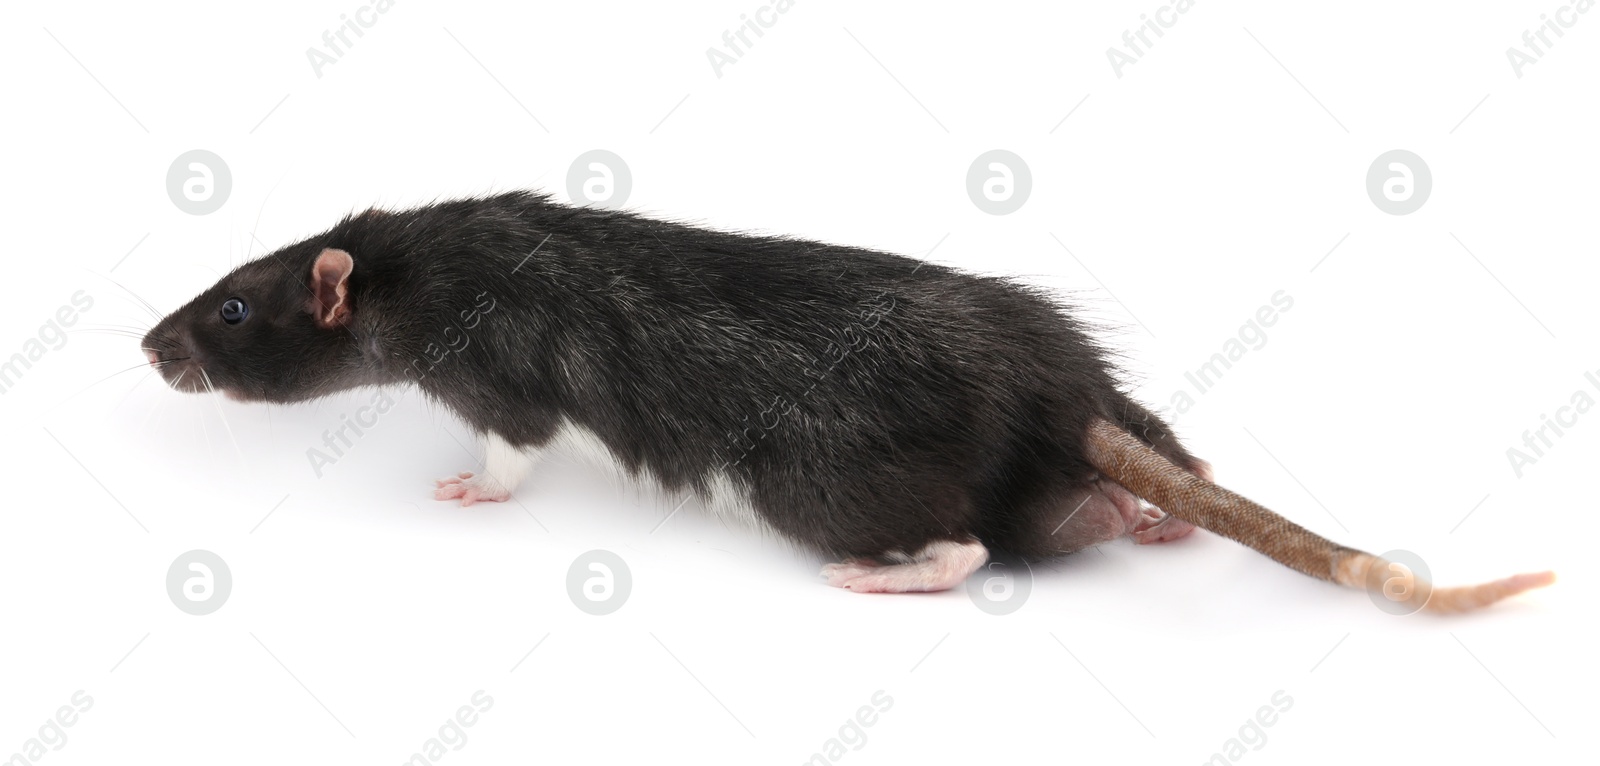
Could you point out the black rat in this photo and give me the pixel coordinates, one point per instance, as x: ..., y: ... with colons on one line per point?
x: 909, y: 418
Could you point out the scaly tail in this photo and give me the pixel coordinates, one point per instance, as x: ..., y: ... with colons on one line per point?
x: 1124, y: 459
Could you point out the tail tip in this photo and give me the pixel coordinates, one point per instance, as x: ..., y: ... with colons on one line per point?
x: 1476, y: 596
x: 1525, y: 582
x: 1379, y: 576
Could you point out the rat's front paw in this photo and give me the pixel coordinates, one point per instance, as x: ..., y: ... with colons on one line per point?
x: 470, y: 489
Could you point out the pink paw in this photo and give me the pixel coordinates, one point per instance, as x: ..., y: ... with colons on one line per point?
x: 1157, y: 526
x: 938, y: 566
x: 470, y: 489
x: 841, y: 575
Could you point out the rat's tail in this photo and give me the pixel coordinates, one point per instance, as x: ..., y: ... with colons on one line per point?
x: 1124, y: 459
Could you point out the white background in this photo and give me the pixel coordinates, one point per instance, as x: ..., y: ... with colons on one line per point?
x: 363, y: 613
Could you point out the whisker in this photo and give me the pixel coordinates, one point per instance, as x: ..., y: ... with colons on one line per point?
x: 128, y: 327
x: 250, y: 248
x: 220, y: 416
x: 111, y: 331
x: 98, y: 382
x: 148, y: 307
x: 201, y: 419
x: 160, y: 407
x: 135, y: 387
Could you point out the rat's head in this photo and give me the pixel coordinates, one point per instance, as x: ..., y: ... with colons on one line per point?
x: 279, y: 329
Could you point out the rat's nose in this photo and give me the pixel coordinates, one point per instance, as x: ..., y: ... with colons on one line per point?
x: 151, y: 355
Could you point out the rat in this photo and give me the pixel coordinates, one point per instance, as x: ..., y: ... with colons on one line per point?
x: 908, y: 419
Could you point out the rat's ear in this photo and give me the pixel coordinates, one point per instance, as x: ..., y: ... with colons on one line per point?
x: 330, y: 288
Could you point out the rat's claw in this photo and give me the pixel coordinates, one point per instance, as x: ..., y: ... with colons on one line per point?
x: 469, y: 489
x: 453, y: 479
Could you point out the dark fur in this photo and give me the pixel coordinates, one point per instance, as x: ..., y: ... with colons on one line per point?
x: 869, y: 402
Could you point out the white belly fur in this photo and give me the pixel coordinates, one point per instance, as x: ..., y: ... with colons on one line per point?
x: 724, y: 498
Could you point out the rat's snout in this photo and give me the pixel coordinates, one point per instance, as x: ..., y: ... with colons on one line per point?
x: 172, y: 354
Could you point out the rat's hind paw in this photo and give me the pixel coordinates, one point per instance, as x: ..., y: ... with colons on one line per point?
x: 470, y: 489
x: 938, y: 566
x: 840, y: 574
x: 456, y: 479
x: 1157, y: 526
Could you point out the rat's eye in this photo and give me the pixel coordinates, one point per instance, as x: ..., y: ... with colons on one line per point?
x: 234, y: 311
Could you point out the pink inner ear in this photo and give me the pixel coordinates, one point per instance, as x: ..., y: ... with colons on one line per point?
x: 330, y: 277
